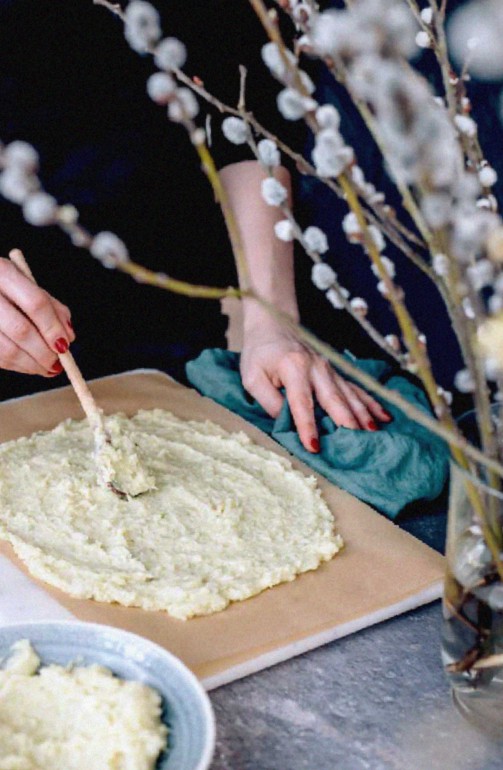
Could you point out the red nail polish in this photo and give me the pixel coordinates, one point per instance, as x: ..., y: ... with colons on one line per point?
x: 61, y: 345
x: 315, y: 444
x: 57, y: 367
x: 371, y: 425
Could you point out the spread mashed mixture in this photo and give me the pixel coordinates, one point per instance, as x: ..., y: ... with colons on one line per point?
x: 226, y: 520
x: 75, y: 718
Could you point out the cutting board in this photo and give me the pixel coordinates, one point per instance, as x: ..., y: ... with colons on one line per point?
x: 382, y: 571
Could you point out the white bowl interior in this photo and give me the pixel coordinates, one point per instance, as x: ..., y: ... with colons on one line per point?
x: 187, y: 709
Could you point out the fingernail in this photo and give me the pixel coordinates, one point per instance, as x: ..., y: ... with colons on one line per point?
x: 57, y: 367
x: 315, y: 444
x: 389, y: 416
x: 371, y: 425
x: 61, y: 345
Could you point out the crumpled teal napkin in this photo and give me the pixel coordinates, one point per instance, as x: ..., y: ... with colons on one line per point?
x: 397, y: 465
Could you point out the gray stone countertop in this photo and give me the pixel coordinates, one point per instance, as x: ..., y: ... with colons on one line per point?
x: 376, y: 700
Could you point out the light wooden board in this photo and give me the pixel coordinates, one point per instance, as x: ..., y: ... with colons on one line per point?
x: 381, y: 572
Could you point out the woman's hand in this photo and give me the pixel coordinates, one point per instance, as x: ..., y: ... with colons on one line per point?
x: 34, y: 327
x: 272, y: 358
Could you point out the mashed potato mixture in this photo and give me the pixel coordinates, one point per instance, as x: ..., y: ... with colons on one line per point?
x: 75, y: 718
x: 227, y: 518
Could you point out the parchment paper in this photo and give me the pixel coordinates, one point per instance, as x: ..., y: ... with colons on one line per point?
x: 381, y: 572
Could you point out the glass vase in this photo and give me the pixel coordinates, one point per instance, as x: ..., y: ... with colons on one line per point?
x: 472, y: 638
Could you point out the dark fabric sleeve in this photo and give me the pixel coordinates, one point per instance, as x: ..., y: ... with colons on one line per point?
x: 221, y: 36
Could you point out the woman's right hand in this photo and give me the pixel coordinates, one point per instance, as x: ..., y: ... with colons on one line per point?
x: 34, y: 327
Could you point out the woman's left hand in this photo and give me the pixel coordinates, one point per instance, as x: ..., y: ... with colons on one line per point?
x: 272, y: 358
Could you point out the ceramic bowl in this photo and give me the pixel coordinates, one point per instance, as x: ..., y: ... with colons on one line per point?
x: 187, y: 709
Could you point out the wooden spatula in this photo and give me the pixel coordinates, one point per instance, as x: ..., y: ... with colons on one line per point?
x: 118, y: 465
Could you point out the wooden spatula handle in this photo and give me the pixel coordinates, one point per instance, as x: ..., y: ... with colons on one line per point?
x: 80, y: 386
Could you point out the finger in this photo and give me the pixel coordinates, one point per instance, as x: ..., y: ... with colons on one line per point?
x: 331, y: 398
x: 36, y: 305
x: 294, y: 373
x: 20, y: 330
x: 372, y: 405
x: 64, y: 315
x: 263, y: 391
x: 16, y: 360
x: 357, y: 405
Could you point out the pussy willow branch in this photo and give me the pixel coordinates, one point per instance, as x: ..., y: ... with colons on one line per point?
x: 315, y: 257
x: 269, y: 22
x: 384, y: 219
x: 409, y: 203
x: 373, y: 333
x: 406, y: 323
x: 451, y: 302
x: 453, y: 438
x: 211, y: 173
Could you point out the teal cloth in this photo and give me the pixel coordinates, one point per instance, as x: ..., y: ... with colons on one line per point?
x: 399, y: 464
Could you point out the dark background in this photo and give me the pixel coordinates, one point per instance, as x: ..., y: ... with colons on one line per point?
x: 70, y: 85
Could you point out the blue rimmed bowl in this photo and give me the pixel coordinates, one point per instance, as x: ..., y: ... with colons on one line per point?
x: 186, y: 707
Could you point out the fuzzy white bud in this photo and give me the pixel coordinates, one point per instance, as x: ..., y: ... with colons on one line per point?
x: 488, y: 176
x: 481, y: 273
x: 161, y: 87
x: 142, y: 25
x: 315, y: 240
x: 423, y: 39
x: 446, y: 395
x: 440, y: 263
x: 235, y: 130
x: 184, y: 107
x: 351, y: 226
x: 272, y: 58
x: 336, y: 297
x: 292, y: 105
x: 273, y: 192
x: 40, y: 209
x: 170, y: 54
x: 468, y: 308
x: 329, y: 153
x: 322, y: 276
x: 15, y: 185
x: 327, y: 116
x: 393, y: 342
x: 466, y: 125
x: 377, y: 237
x: 268, y: 153
x: 359, y: 306
x: 284, y: 230
x: 22, y: 156
x: 463, y: 381
x: 427, y: 15
x: 388, y: 265
x: 109, y: 249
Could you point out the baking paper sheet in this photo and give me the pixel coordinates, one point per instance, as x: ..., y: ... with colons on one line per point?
x: 381, y: 572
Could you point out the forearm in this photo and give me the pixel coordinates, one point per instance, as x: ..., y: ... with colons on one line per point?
x: 269, y: 260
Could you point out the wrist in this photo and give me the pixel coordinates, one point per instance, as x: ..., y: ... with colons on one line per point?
x: 256, y: 316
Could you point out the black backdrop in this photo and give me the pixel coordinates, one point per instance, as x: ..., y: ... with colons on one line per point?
x: 71, y: 85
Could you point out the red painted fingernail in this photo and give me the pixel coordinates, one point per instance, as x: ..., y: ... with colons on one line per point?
x: 315, y: 444
x: 371, y: 425
x: 61, y: 345
x: 57, y: 367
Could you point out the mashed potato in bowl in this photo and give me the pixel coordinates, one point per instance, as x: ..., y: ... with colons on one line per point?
x: 75, y: 717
